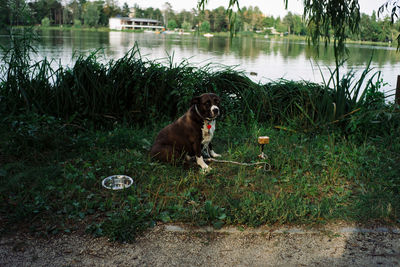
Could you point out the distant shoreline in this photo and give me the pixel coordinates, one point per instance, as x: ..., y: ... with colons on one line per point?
x: 216, y: 34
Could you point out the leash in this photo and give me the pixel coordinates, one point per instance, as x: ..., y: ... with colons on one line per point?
x: 261, y: 140
x: 267, y: 166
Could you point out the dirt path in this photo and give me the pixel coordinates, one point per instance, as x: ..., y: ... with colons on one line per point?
x: 168, y: 245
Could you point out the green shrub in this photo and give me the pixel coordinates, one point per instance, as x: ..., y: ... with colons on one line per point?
x: 205, y: 26
x: 186, y: 26
x: 45, y: 22
x: 172, y: 25
x: 77, y: 23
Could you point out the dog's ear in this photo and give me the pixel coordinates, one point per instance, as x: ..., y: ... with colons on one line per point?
x: 195, y: 101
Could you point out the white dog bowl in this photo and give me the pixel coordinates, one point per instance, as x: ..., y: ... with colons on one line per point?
x: 117, y: 182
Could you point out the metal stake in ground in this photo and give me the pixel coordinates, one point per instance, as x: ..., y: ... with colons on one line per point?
x: 262, y: 140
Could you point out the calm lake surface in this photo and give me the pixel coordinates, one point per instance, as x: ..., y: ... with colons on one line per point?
x: 270, y: 59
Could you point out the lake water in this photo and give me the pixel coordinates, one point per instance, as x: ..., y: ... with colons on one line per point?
x: 270, y: 59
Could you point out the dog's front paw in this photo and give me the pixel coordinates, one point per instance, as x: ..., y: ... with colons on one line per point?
x: 206, y: 170
x: 214, y: 155
x: 201, y: 163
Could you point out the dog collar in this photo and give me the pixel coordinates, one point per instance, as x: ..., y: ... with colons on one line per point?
x: 198, y: 113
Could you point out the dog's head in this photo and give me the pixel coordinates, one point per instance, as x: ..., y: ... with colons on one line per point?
x: 207, y: 106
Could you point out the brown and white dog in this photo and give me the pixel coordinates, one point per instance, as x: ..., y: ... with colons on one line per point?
x: 190, y: 134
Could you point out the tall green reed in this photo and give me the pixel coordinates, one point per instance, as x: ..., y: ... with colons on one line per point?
x: 17, y: 66
x: 133, y: 89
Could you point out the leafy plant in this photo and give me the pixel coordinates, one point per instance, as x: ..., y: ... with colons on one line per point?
x: 77, y: 23
x: 45, y: 22
x: 126, y: 224
x: 214, y: 214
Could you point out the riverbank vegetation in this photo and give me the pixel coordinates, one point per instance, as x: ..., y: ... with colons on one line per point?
x: 87, y: 14
x: 334, y: 151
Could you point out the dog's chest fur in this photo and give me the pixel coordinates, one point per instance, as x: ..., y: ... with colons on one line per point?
x: 207, y: 134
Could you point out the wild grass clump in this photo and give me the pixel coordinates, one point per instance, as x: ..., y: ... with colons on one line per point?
x: 297, y: 103
x: 129, y: 89
x: 134, y: 90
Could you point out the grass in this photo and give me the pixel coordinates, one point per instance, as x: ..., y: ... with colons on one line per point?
x: 135, y: 90
x: 334, y: 148
x: 52, y: 183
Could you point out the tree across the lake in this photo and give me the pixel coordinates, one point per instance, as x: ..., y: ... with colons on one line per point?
x: 96, y: 14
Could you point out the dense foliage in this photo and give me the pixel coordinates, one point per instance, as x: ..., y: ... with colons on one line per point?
x: 135, y: 90
x: 97, y: 13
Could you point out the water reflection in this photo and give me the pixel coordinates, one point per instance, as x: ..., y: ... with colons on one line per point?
x: 271, y: 59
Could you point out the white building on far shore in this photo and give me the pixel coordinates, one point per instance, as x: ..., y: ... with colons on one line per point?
x: 125, y: 23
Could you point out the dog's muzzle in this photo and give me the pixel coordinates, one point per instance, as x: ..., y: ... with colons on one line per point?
x: 214, y: 111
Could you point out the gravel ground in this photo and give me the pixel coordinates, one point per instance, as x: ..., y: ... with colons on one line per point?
x: 172, y: 245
